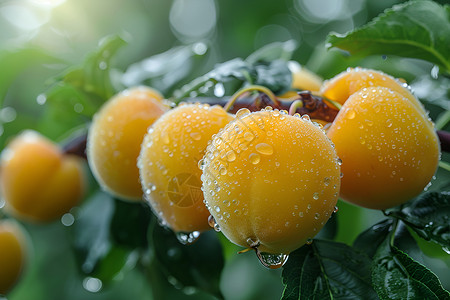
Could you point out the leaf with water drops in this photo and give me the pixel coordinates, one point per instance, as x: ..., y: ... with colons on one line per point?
x: 417, y: 29
x: 428, y: 215
x: 327, y: 270
x: 197, y: 265
x: 397, y: 276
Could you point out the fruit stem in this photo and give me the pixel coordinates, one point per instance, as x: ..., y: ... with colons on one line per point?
x: 293, y: 108
x: 252, y: 88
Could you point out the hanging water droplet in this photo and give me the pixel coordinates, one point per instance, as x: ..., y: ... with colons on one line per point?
x: 264, y: 148
x: 336, y: 209
x: 212, y: 222
x: 272, y: 261
x: 254, y: 158
x: 187, y: 238
x: 309, y: 241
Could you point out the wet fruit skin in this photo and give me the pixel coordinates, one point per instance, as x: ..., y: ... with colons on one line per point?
x: 343, y: 85
x: 271, y: 180
x: 115, y: 138
x: 389, y: 150
x: 168, y: 164
x: 39, y: 182
x: 12, y: 255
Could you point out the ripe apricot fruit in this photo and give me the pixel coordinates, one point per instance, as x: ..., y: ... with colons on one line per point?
x: 270, y: 180
x: 115, y: 138
x: 389, y: 150
x: 168, y: 164
x: 12, y: 254
x: 38, y: 181
x: 302, y: 79
x: 343, y: 85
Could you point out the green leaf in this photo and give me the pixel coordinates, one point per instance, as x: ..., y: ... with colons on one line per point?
x: 12, y: 63
x: 369, y: 240
x: 93, y: 78
x: 130, y: 223
x: 396, y: 276
x: 273, y: 51
x: 96, y: 248
x: 327, y: 270
x: 165, y: 70
x: 267, y: 67
x: 198, y: 265
x: 428, y: 215
x: 417, y: 29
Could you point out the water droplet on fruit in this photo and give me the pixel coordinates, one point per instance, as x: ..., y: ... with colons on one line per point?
x: 165, y: 138
x: 272, y: 261
x: 195, y: 136
x: 389, y: 123
x: 336, y: 209
x: 187, y: 238
x: 212, y: 222
x: 339, y: 161
x: 248, y: 136
x: 306, y: 118
x: 254, y: 158
x: 316, y: 216
x: 223, y: 171
x: 242, y: 112
x: 351, y: 114
x: 264, y: 148
x: 326, y: 181
x: 316, y: 196
x: 231, y: 156
x: 309, y: 241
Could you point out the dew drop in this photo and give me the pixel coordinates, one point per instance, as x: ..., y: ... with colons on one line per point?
x: 336, y: 209
x: 242, y: 112
x: 306, y: 118
x: 309, y: 241
x: 326, y: 181
x: 248, y: 136
x: 212, y: 222
x: 195, y: 136
x: 272, y: 261
x: 316, y: 216
x: 254, y: 158
x: 92, y: 284
x: 316, y: 196
x: 389, y: 123
x: 351, y: 114
x: 187, y: 238
x: 264, y: 148
x: 231, y: 156
x: 223, y: 171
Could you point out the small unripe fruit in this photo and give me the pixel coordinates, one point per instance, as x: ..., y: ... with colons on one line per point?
x: 38, y: 181
x: 168, y: 164
x: 270, y: 180
x: 115, y: 139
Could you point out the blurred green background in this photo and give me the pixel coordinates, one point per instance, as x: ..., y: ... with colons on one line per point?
x: 39, y: 39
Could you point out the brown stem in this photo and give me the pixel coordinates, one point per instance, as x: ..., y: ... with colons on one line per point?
x: 76, y: 146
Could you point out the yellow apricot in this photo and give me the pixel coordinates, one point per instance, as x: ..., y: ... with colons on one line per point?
x: 343, y: 85
x: 389, y: 150
x: 115, y: 138
x: 12, y: 254
x: 168, y: 164
x: 39, y: 182
x: 302, y: 79
x: 270, y: 180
